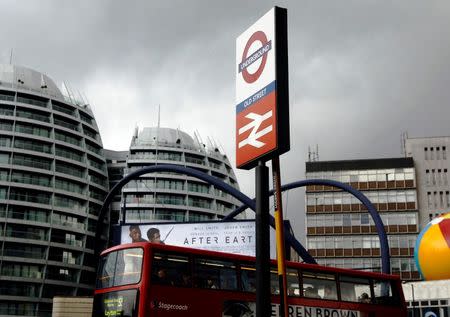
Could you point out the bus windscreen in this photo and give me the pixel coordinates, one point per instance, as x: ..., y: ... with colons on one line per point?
x: 120, y: 268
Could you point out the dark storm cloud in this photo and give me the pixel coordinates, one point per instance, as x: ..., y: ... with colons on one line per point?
x: 361, y: 72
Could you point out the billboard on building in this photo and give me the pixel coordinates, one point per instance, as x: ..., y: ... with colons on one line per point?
x: 232, y: 236
x: 262, y: 93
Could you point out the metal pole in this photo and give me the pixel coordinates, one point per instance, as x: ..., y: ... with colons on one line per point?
x: 279, y: 229
x: 263, y: 305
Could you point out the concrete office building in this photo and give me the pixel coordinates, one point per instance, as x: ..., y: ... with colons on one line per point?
x: 340, y: 231
x: 432, y: 161
x: 168, y: 196
x: 53, y: 180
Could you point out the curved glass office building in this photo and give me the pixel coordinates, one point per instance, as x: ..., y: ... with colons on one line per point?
x: 53, y: 180
x: 171, y: 196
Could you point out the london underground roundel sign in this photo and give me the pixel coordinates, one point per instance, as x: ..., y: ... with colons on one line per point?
x: 261, y: 53
x: 262, y: 94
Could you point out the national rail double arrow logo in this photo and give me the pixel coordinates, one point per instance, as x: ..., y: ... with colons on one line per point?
x: 255, y: 133
x: 249, y: 60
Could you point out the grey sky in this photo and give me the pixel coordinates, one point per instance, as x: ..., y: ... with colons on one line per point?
x: 361, y: 72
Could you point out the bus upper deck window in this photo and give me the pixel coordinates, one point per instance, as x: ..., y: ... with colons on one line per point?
x: 292, y: 282
x: 120, y: 268
x: 248, y: 278
x: 384, y: 293
x: 171, y: 269
x: 216, y: 274
x: 319, y: 285
x: 355, y: 289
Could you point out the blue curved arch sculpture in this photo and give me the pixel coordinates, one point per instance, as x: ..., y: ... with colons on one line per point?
x: 248, y: 202
x: 384, y: 245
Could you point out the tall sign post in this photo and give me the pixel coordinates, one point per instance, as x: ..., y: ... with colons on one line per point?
x: 262, y: 134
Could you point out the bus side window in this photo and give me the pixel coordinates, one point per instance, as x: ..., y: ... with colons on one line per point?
x: 291, y: 279
x: 384, y: 293
x: 248, y: 278
x: 292, y: 284
x: 293, y: 288
x: 215, y: 274
x: 319, y: 285
x: 355, y: 289
x: 167, y: 269
x: 274, y: 281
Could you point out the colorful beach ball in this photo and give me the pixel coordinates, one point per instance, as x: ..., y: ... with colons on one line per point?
x: 432, y: 250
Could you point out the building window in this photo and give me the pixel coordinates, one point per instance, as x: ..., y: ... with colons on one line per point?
x: 433, y: 176
x: 444, y: 153
x: 347, y: 222
x: 169, y: 214
x: 138, y: 215
x: 444, y: 176
x: 199, y: 217
x: 431, y: 153
x: 428, y: 177
x: 68, y: 257
x: 430, y: 200
x: 32, y: 129
x: 441, y: 199
x: 426, y: 153
x: 447, y: 198
x: 364, y: 219
x: 197, y: 187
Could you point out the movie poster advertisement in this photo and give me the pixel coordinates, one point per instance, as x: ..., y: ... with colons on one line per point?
x: 234, y: 237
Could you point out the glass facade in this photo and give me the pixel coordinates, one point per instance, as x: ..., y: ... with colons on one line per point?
x: 45, y: 230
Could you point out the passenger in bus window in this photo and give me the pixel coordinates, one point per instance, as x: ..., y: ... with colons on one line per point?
x: 186, y: 280
x: 210, y: 283
x: 161, y: 277
x: 364, y: 298
x: 154, y: 236
x: 330, y: 292
x: 311, y: 292
x: 291, y: 291
x: 135, y: 234
x: 274, y: 287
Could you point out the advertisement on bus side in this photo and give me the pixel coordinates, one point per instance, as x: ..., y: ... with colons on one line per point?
x: 235, y: 308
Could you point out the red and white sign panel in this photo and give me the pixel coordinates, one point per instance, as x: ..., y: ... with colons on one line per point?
x: 262, y: 110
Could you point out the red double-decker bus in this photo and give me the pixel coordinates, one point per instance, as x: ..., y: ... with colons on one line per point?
x: 145, y: 279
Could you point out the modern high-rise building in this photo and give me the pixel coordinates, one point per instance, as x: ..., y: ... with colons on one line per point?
x: 53, y: 180
x: 168, y: 196
x: 340, y: 231
x: 432, y: 161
